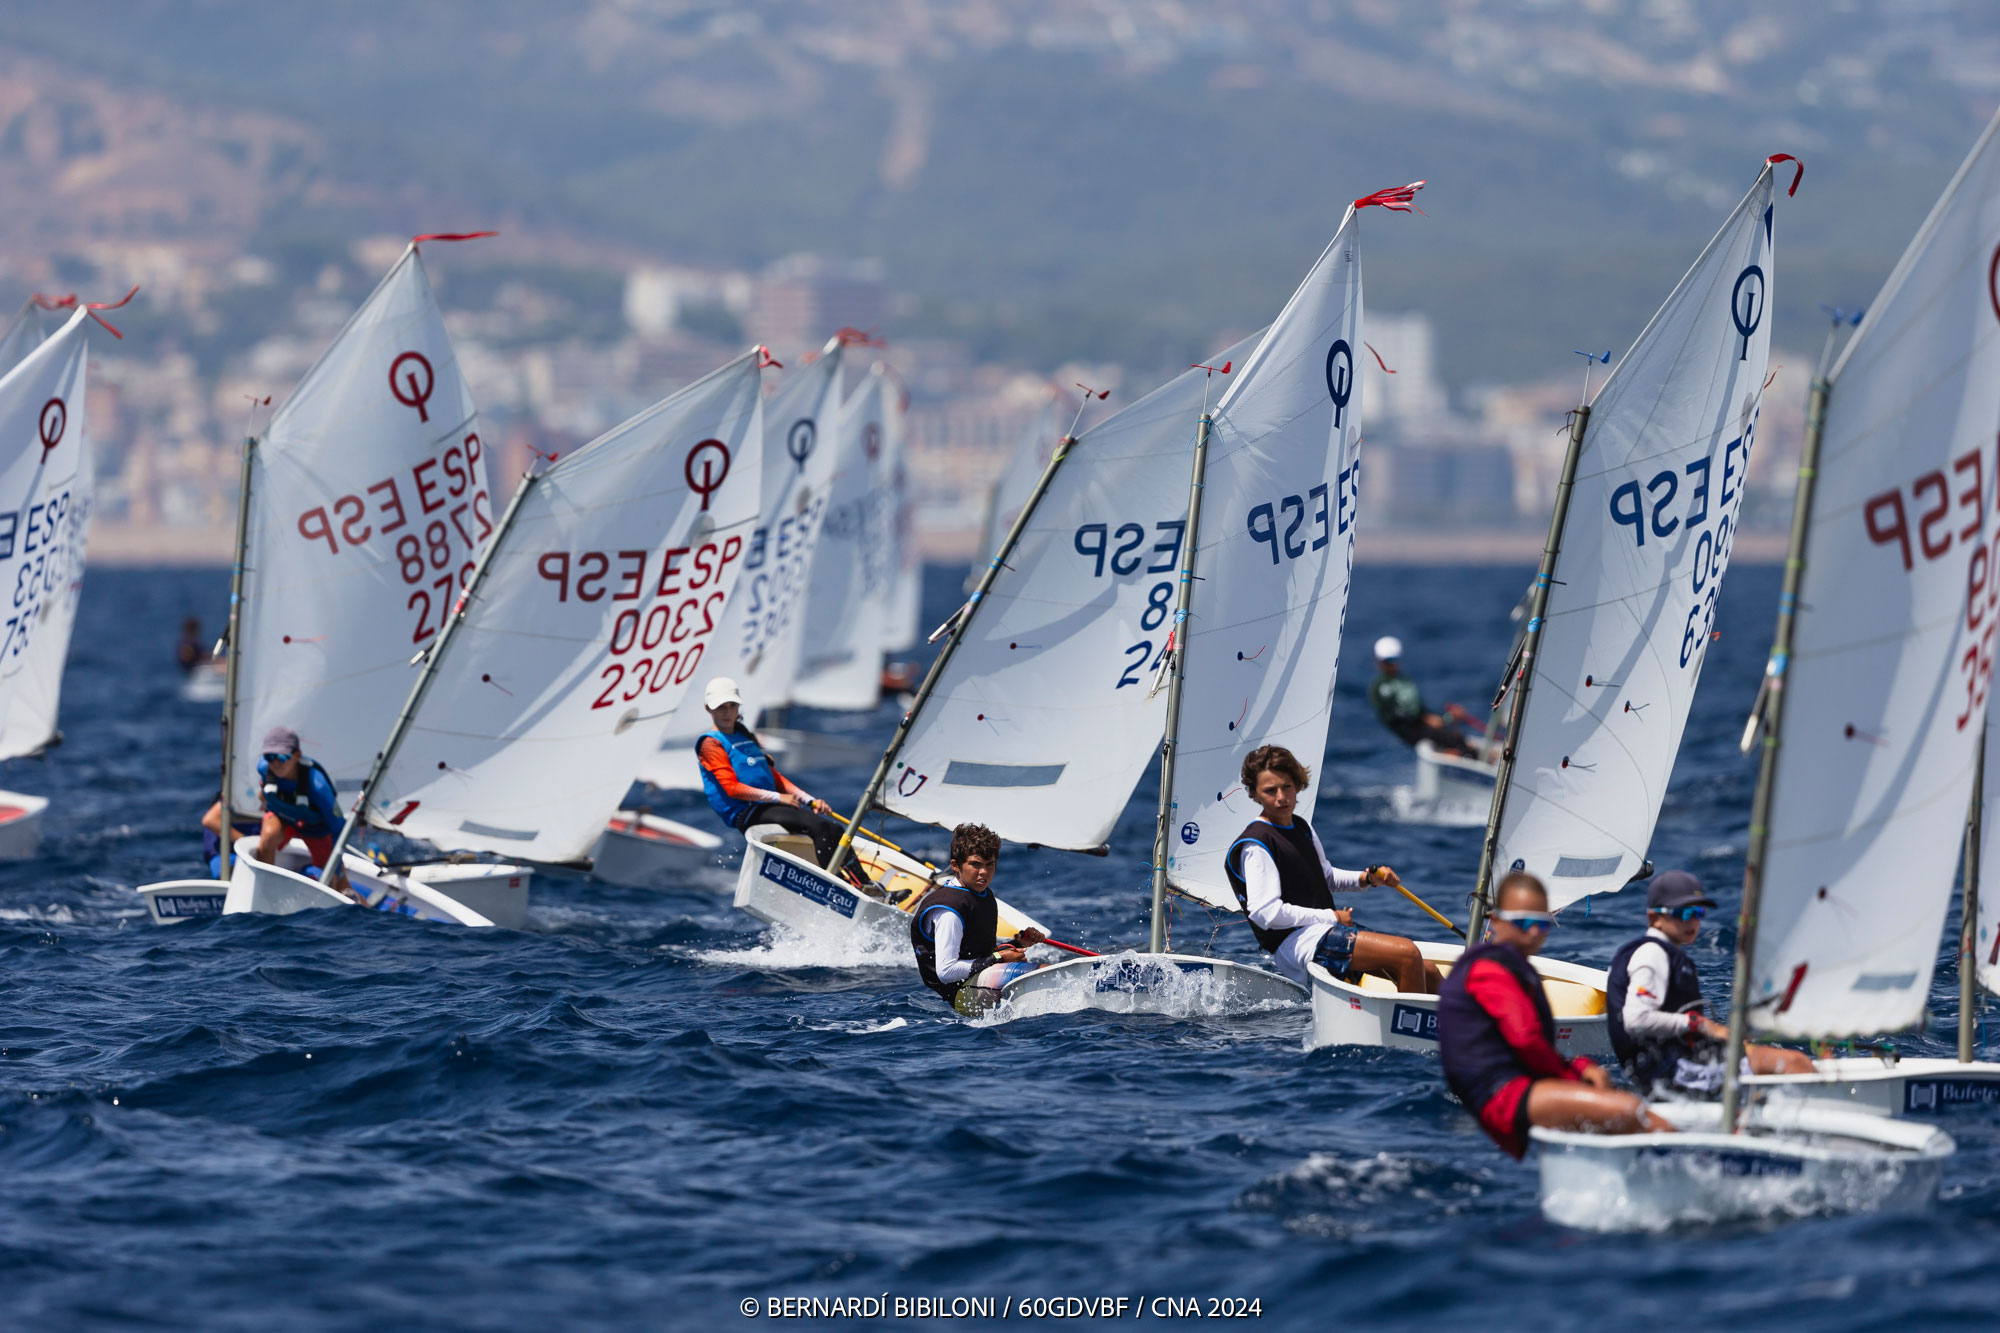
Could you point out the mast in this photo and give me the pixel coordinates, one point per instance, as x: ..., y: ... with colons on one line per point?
x: 1968, y: 929
x: 431, y: 657
x: 1522, y: 669
x: 1156, y: 940
x: 957, y: 626
x: 1768, y: 709
x: 231, y: 664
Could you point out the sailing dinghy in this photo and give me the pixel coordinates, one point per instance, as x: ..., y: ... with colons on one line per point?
x: 1644, y: 517
x: 1871, y: 714
x: 1885, y: 681
x: 577, y: 633
x: 761, y: 638
x: 45, y: 484
x: 360, y: 516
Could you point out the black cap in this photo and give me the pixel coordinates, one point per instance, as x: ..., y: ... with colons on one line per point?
x: 1676, y: 888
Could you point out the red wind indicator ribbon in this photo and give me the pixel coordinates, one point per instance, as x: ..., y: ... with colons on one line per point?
x: 1378, y: 358
x: 54, y: 302
x: 1797, y: 176
x: 450, y: 236
x: 1400, y: 198
x: 766, y: 361
x: 94, y: 306
x: 849, y: 336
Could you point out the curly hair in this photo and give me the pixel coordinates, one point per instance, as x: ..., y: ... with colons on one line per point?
x: 975, y: 840
x: 1274, y: 759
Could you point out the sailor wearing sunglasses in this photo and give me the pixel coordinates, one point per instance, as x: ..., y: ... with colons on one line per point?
x: 1665, y: 1041
x: 1497, y: 1036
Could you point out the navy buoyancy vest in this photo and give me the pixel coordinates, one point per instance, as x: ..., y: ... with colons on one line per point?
x: 1300, y: 880
x: 979, y: 912
x: 1477, y: 1060
x: 1648, y: 1062
x: 291, y: 799
x: 753, y: 769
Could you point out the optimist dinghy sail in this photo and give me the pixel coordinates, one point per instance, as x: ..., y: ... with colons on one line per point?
x: 45, y: 495
x: 1625, y: 624
x: 593, y: 609
x: 847, y: 604
x: 367, y: 506
x: 760, y: 638
x: 1044, y: 717
x: 1877, y: 686
x: 906, y: 578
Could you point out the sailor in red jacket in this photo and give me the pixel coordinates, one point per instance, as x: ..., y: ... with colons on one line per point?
x: 1497, y: 1037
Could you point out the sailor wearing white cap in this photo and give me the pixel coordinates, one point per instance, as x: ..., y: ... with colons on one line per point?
x: 1400, y: 704
x: 744, y: 787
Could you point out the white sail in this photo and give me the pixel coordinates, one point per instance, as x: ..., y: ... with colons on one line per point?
x: 45, y: 485
x: 597, y: 609
x: 1652, y: 517
x: 23, y: 336
x: 368, y: 506
x: 906, y: 561
x: 847, y: 605
x: 1045, y: 716
x: 1884, y: 693
x: 1009, y: 494
x: 1271, y: 571
x: 760, y: 641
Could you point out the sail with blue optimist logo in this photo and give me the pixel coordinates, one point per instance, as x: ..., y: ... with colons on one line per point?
x: 1631, y: 610
x: 1280, y: 501
x: 853, y: 571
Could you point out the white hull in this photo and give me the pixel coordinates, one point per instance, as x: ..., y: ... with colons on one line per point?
x: 1791, y: 1160
x: 20, y: 825
x: 1374, y: 1013
x: 1171, y: 984
x: 1449, y: 789
x: 780, y: 884
x: 470, y: 894
x: 205, y: 684
x: 173, y: 901
x: 1886, y: 1087
x: 640, y: 848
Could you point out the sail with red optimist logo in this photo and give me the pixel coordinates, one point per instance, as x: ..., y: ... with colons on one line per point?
x: 45, y: 490
x: 599, y: 607
x: 1885, y: 691
x: 369, y: 505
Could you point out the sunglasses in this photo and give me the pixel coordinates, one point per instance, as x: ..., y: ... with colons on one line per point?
x: 1543, y: 922
x: 1685, y: 913
x: 270, y: 758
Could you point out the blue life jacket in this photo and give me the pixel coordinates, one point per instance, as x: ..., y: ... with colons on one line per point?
x: 1477, y: 1060
x: 1650, y: 1062
x: 753, y: 769
x: 307, y: 803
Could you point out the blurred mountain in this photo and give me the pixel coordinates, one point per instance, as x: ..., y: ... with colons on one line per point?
x: 1117, y: 179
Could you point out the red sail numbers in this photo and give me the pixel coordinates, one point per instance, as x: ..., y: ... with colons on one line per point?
x: 679, y: 597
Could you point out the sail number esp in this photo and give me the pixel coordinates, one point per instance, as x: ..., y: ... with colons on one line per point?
x: 1128, y: 549
x: 659, y: 642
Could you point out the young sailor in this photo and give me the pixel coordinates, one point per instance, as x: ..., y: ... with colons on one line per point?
x: 1665, y: 1041
x: 745, y: 787
x: 218, y: 858
x: 953, y: 930
x: 299, y: 802
x: 1286, y: 885
x: 1497, y: 1036
x: 1400, y: 704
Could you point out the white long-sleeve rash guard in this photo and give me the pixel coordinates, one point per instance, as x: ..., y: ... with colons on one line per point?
x: 1647, y: 973
x: 1269, y: 910
x: 949, y: 932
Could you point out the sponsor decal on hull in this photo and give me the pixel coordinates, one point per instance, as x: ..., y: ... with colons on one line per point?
x: 807, y: 885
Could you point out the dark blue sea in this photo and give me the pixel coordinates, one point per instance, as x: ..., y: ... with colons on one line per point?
x: 638, y: 1113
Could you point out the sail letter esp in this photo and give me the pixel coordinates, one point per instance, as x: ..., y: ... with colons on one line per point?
x: 597, y: 608
x: 1052, y: 676
x: 1277, y: 548
x: 369, y: 505
x: 1652, y: 519
x: 45, y: 486
x: 1886, y: 688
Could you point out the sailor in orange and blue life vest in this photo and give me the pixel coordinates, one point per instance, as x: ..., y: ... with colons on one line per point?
x: 744, y: 787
